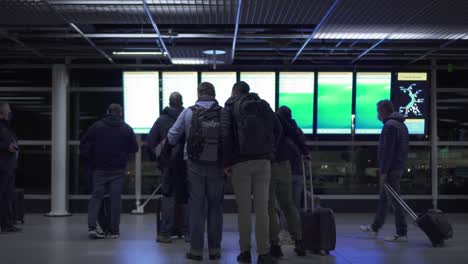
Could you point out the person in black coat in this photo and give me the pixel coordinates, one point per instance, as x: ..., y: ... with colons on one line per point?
x: 108, y: 144
x: 170, y: 161
x: 8, y: 161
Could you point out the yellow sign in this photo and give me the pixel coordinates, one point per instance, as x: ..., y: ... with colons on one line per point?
x: 412, y: 76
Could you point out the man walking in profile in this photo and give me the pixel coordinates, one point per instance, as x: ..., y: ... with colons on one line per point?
x: 249, y: 130
x: 8, y: 161
x: 109, y: 142
x: 392, y: 158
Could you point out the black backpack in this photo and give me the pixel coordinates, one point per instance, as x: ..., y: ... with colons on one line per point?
x: 204, y: 141
x: 254, y: 126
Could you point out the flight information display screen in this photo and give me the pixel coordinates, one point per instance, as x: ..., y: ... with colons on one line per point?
x: 371, y: 87
x: 334, y: 105
x: 262, y: 83
x: 185, y: 83
x: 223, y: 82
x: 296, y: 91
x: 141, y: 100
x: 409, y: 96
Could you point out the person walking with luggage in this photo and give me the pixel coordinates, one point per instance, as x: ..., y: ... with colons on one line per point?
x: 109, y: 142
x: 280, y: 186
x: 8, y: 161
x: 249, y: 135
x: 173, y: 171
x: 392, y: 158
x: 201, y: 126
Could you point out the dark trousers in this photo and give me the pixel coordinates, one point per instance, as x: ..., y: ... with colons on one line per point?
x: 106, y: 182
x: 174, y: 218
x: 386, y: 200
x: 7, y: 194
x: 206, y: 187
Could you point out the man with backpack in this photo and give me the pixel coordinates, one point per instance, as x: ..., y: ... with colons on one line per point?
x: 201, y: 126
x: 108, y: 143
x: 249, y: 131
x: 173, y: 171
x: 280, y: 186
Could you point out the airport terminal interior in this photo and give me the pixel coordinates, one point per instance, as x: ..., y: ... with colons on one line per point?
x: 63, y: 62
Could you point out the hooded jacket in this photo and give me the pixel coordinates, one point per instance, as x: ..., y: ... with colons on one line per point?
x: 7, y: 158
x: 393, y: 144
x: 231, y: 155
x: 162, y: 125
x: 108, y: 143
x: 291, y: 137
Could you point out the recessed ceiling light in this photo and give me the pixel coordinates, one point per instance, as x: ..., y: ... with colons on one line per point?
x: 214, y: 52
x: 138, y: 53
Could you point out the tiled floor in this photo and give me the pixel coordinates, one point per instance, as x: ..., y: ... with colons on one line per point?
x: 64, y: 240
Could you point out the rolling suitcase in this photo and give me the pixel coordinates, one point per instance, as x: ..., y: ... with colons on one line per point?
x: 17, y: 206
x: 433, y: 223
x: 318, y: 224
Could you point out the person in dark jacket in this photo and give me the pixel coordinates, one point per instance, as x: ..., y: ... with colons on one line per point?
x: 250, y: 175
x: 280, y: 187
x: 8, y: 161
x: 173, y: 173
x: 109, y: 142
x: 392, y: 158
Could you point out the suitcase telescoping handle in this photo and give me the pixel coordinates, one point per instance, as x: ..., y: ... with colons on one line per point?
x: 311, y: 193
x: 401, y: 202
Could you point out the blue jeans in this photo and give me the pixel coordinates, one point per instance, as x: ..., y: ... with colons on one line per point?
x: 174, y: 218
x: 386, y: 199
x: 106, y: 182
x: 7, y: 194
x: 206, y: 188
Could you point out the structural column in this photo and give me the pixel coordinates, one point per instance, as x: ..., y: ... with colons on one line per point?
x: 138, y: 179
x: 59, y: 186
x: 434, y: 135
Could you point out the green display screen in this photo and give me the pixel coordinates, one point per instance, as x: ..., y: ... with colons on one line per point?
x: 223, y: 82
x: 262, y: 83
x: 334, y: 106
x: 296, y: 91
x: 371, y: 87
x: 183, y: 82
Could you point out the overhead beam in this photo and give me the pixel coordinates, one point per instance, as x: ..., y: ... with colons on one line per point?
x: 316, y: 29
x: 156, y: 29
x: 19, y: 42
x: 422, y: 10
x: 434, y: 50
x: 236, y: 29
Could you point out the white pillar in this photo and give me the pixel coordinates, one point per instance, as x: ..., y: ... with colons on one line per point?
x: 59, y: 141
x: 138, y: 177
x: 434, y: 135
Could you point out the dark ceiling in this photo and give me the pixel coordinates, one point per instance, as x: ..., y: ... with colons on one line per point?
x: 270, y: 32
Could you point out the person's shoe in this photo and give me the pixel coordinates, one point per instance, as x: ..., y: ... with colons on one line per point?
x: 266, y: 259
x: 397, y: 239
x: 96, y: 234
x: 11, y: 229
x: 194, y: 257
x: 244, y: 257
x: 187, y: 239
x: 368, y: 229
x: 164, y: 239
x: 215, y: 256
x: 285, y: 238
x: 276, y: 252
x: 299, y: 249
x: 113, y: 235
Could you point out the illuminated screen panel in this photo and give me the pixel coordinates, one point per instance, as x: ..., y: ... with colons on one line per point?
x: 296, y: 91
x: 141, y: 100
x: 262, y: 83
x: 334, y: 105
x: 183, y: 82
x: 223, y: 82
x: 371, y: 87
x: 409, y: 96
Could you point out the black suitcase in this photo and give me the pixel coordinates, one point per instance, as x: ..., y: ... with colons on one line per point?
x: 318, y: 224
x: 433, y: 223
x: 18, y: 206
